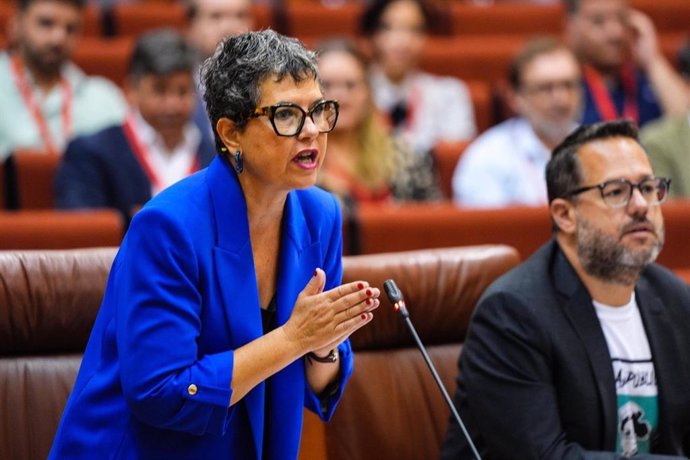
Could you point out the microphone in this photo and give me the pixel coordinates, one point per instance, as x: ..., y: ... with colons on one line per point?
x: 396, y: 297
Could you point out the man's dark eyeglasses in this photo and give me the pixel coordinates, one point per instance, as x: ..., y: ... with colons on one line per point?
x: 617, y: 193
x: 287, y: 118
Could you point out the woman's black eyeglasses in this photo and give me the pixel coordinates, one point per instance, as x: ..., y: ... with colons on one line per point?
x: 288, y: 118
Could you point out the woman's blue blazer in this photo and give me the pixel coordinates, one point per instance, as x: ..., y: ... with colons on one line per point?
x: 181, y: 297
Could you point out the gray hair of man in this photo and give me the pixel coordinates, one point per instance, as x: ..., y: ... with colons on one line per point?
x: 232, y: 77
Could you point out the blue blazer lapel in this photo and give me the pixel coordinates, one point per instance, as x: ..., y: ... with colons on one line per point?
x: 234, y: 263
x: 582, y: 316
x: 236, y: 276
x: 299, y: 257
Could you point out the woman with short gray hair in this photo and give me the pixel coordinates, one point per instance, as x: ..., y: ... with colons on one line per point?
x: 224, y: 315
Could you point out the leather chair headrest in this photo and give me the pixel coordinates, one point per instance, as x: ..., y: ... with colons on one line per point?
x: 50, y: 298
x: 441, y: 288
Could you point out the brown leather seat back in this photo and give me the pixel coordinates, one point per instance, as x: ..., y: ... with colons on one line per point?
x: 34, y: 172
x: 48, y: 229
x: 420, y: 225
x: 392, y: 408
x: 48, y: 302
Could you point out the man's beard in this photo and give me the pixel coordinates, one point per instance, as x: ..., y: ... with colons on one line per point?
x: 608, y: 259
x: 45, y: 62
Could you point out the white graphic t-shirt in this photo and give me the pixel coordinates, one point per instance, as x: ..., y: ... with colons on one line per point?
x: 633, y: 369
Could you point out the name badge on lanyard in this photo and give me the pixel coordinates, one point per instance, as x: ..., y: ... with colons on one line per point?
x: 27, y: 95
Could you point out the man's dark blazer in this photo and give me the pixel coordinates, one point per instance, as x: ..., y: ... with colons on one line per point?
x: 101, y: 171
x: 536, y: 379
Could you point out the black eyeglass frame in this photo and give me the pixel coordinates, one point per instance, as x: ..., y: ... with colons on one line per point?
x: 661, y: 181
x: 270, y: 111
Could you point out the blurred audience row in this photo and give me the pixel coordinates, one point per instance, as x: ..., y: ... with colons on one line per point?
x: 121, y: 149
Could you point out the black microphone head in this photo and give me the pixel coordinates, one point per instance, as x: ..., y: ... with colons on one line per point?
x: 392, y: 291
x: 395, y: 296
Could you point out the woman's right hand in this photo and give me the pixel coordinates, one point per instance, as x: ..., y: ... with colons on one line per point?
x: 321, y: 320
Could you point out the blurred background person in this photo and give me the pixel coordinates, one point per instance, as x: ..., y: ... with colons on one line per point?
x: 668, y: 140
x: 625, y: 74
x: 123, y: 166
x: 424, y: 108
x: 46, y: 99
x: 208, y: 22
x: 505, y: 165
x: 365, y: 164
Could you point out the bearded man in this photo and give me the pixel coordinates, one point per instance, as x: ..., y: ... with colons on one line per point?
x: 46, y: 99
x: 583, y: 351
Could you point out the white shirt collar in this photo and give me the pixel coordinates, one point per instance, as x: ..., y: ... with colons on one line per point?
x: 169, y: 165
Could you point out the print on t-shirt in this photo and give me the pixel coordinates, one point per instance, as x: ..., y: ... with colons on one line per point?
x: 637, y: 405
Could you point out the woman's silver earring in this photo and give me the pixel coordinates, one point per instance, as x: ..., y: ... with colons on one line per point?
x: 239, y: 163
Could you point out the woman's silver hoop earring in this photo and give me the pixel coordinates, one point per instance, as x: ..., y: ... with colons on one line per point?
x: 239, y: 163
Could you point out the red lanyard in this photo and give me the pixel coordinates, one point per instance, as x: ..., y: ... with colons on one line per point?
x: 27, y: 95
x: 602, y: 97
x: 143, y: 156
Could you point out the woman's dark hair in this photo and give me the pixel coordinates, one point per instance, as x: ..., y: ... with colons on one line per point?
x: 161, y: 52
x: 563, y: 171
x: 370, y: 22
x: 233, y: 75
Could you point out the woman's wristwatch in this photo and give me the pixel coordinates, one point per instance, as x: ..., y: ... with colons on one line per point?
x: 331, y: 357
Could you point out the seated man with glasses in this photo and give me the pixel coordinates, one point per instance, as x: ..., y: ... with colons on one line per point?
x: 505, y: 165
x: 583, y: 351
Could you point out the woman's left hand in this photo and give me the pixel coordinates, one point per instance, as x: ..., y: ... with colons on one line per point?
x: 321, y: 320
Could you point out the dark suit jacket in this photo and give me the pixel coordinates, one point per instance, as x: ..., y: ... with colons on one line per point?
x: 181, y: 298
x: 101, y: 171
x: 536, y: 379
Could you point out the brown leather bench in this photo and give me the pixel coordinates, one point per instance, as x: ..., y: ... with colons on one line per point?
x: 418, y: 226
x: 30, y: 174
x: 50, y: 300
x: 392, y: 408
x: 48, y: 229
x: 376, y: 229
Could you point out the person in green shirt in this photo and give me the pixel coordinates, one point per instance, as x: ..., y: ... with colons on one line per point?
x: 668, y: 140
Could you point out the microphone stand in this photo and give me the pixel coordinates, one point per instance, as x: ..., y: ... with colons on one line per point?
x: 395, y: 296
